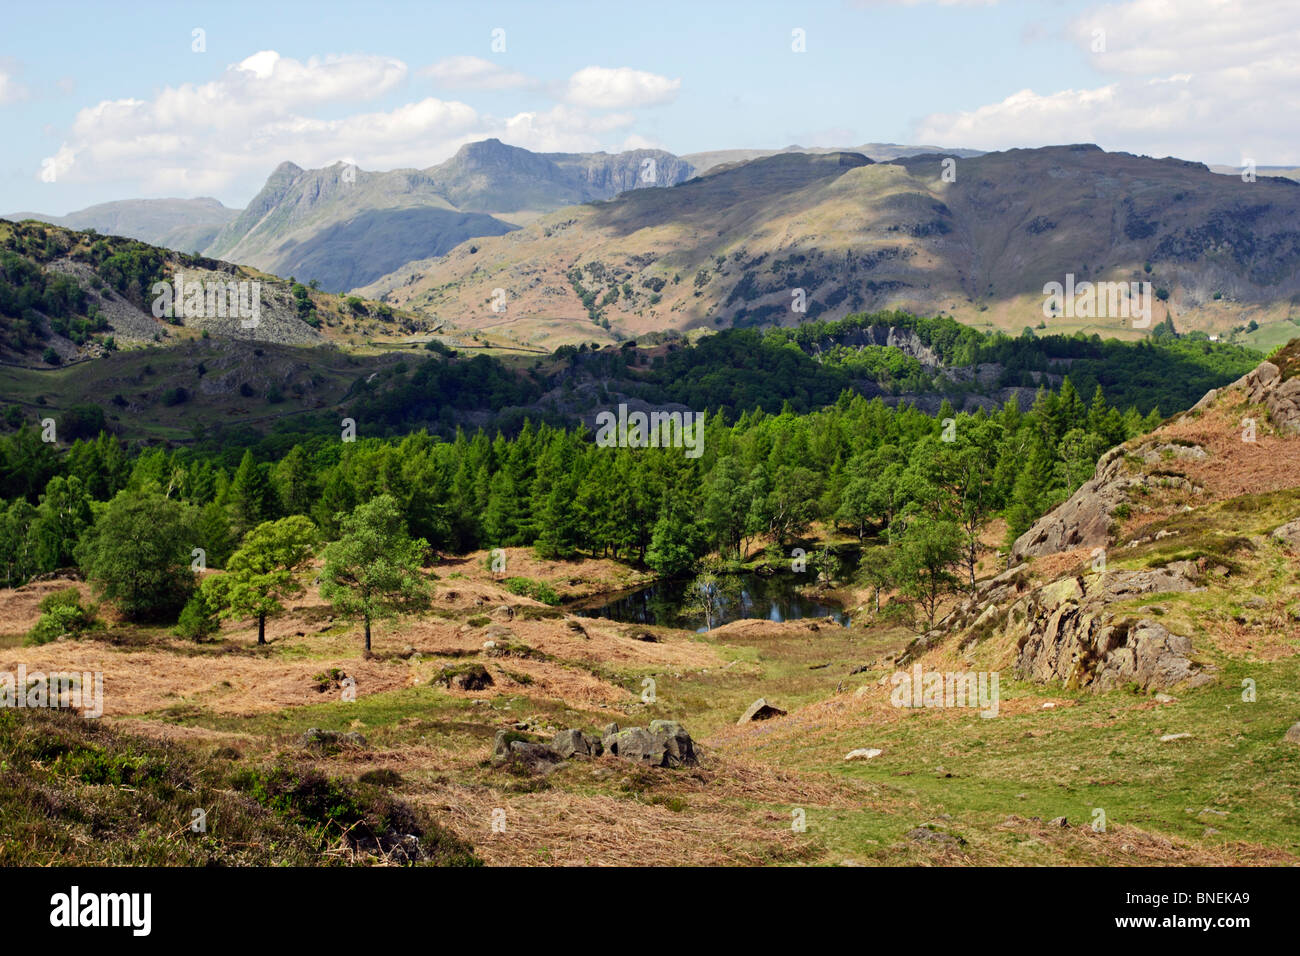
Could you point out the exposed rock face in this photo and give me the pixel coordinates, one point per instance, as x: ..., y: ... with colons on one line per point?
x: 1083, y: 520
x: 1066, y: 633
x: 1265, y: 385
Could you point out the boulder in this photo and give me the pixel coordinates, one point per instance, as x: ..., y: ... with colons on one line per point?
x: 863, y: 753
x: 664, y: 744
x: 679, y: 749
x: 331, y: 739
x: 1289, y: 534
x: 637, y: 743
x: 1293, y: 734
x: 533, y: 757
x: 465, y: 677
x: 504, y: 738
x: 568, y: 743
x: 760, y: 710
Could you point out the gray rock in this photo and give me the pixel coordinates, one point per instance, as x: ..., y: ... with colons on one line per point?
x: 568, y: 743
x: 926, y: 835
x: 760, y: 710
x: 1066, y: 632
x: 1289, y: 534
x: 608, y: 739
x: 637, y: 743
x: 679, y: 749
x: 863, y: 753
x: 1293, y: 734
x: 534, y: 757
x: 1083, y: 520
x: 465, y: 677
x: 327, y: 739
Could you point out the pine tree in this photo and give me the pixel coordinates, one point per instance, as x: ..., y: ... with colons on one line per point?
x: 250, y: 497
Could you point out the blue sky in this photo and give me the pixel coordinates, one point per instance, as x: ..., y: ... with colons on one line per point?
x: 101, y: 102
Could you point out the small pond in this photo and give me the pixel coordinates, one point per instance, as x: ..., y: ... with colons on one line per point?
x: 774, y: 597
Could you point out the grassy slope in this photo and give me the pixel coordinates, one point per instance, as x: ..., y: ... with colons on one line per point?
x: 981, y: 780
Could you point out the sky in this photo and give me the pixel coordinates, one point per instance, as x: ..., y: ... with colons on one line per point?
x: 149, y: 100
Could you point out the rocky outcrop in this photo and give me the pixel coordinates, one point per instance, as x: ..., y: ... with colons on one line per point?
x: 567, y: 743
x: 1066, y: 632
x: 1270, y: 386
x: 1084, y: 519
x: 665, y: 743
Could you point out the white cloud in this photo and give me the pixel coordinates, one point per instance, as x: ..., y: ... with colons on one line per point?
x: 224, y: 136
x: 918, y: 3
x: 620, y: 88
x: 563, y: 129
x: 1212, y: 80
x: 11, y: 91
x: 474, y: 73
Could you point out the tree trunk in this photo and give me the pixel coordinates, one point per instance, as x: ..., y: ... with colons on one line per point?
x: 261, y: 628
x: 367, y: 634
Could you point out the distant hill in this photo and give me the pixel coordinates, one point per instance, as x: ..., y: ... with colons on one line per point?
x: 878, y: 152
x: 1290, y: 172
x: 187, y: 225
x: 741, y: 244
x: 346, y: 226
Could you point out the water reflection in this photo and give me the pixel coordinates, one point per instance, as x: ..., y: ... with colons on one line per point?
x: 775, y: 598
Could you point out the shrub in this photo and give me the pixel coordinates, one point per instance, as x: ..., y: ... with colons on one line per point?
x: 61, y: 613
x: 537, y: 590
x: 198, y: 619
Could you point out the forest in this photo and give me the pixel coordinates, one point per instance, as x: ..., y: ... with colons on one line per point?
x: 133, y: 522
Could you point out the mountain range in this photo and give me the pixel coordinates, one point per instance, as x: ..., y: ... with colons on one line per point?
x: 794, y: 236
x: 345, y: 226
x: 599, y: 246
